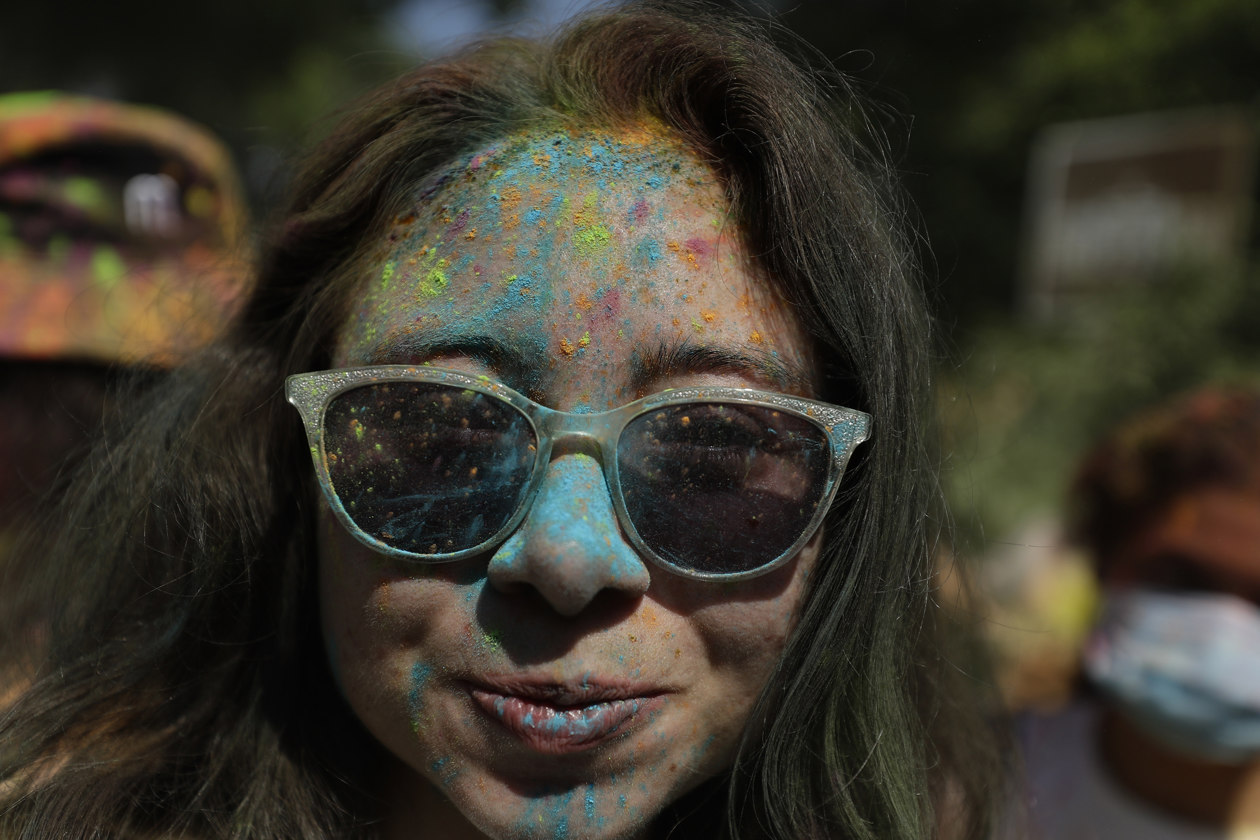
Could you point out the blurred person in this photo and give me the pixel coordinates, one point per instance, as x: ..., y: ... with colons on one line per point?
x: 1167, y: 744
x: 121, y: 250
x: 559, y: 535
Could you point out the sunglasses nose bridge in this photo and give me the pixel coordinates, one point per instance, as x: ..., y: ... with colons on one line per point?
x: 590, y: 434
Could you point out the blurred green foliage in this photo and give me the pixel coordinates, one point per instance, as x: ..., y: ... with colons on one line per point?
x: 1027, y: 400
x: 976, y: 80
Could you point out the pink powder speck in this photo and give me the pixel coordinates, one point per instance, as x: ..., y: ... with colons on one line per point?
x: 640, y: 211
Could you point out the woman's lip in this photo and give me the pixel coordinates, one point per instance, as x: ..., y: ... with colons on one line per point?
x: 561, y: 719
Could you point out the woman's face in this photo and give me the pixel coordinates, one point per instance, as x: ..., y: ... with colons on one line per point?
x: 562, y: 685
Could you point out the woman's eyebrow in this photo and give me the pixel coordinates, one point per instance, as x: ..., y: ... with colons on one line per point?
x: 513, y: 365
x: 687, y: 358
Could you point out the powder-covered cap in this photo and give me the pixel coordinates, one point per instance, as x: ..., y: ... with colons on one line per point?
x: 121, y: 231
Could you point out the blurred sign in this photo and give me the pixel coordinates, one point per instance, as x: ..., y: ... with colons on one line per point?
x: 1122, y: 202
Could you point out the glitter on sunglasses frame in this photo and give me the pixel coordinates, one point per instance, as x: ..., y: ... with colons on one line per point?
x: 686, y: 468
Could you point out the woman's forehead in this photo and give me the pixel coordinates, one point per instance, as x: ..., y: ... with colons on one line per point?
x: 569, y: 245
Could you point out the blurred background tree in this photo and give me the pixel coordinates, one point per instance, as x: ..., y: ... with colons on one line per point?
x: 968, y: 85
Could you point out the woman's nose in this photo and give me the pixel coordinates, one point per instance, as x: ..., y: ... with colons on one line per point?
x: 569, y: 548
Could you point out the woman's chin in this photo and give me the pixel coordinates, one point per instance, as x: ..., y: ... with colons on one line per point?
x: 473, y: 803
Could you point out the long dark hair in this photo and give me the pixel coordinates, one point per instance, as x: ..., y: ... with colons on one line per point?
x: 179, y: 686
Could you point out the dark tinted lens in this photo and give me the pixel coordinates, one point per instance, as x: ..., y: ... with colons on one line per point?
x: 721, y: 487
x: 427, y: 468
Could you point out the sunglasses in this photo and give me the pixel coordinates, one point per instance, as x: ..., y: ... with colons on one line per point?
x: 432, y: 465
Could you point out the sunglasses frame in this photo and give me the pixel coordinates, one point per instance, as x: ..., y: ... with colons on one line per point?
x: 312, y: 393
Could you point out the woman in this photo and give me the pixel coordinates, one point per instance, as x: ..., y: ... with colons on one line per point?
x: 543, y: 614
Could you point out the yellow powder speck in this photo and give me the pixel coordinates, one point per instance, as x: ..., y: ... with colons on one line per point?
x: 686, y: 420
x: 755, y: 337
x: 709, y: 317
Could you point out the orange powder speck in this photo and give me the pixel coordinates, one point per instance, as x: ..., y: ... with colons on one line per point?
x: 744, y: 302
x: 542, y: 159
x: 510, y: 198
x: 566, y: 348
x: 584, y: 302
x: 691, y: 258
x: 676, y: 322
x: 512, y: 221
x: 472, y: 234
x: 673, y: 246
x: 709, y: 317
x: 755, y: 337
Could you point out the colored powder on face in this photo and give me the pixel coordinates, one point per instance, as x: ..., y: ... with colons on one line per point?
x: 699, y: 247
x: 585, y: 339
x: 107, y: 267
x: 459, y: 224
x: 592, y: 239
x: 648, y: 252
x: 492, y: 639
x: 590, y: 802
x: 639, y: 212
x: 566, y: 348
x: 436, y: 281
x: 420, y: 673
x: 387, y: 272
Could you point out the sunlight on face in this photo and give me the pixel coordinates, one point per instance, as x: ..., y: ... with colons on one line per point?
x: 562, y: 686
